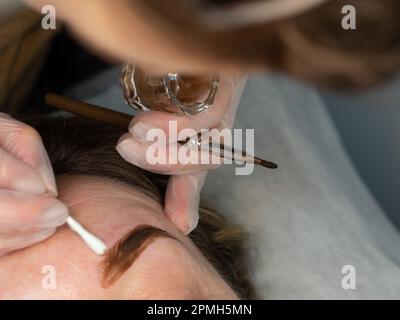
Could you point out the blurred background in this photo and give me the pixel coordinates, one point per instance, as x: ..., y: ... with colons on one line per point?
x: 369, y: 126
x: 33, y: 62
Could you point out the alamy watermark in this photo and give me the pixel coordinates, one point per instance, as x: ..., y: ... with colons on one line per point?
x: 49, y: 21
x: 208, y: 147
x: 349, y: 20
x: 49, y: 278
x: 349, y: 280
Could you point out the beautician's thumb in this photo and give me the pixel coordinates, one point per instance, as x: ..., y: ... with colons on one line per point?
x: 182, y: 200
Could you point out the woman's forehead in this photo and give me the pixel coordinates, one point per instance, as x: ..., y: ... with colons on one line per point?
x: 109, y: 209
x: 106, y: 209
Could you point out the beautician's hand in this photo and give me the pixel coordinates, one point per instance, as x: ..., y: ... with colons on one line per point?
x: 186, y: 182
x: 116, y: 29
x: 29, y: 210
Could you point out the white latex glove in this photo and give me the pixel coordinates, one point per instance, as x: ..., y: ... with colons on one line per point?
x: 186, y: 182
x: 29, y: 210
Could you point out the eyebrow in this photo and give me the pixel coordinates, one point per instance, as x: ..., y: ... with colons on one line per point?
x: 127, y: 250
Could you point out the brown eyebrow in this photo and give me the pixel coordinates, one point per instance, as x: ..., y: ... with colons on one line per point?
x: 124, y: 253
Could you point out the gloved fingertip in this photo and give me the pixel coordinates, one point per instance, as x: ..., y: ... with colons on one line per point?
x: 31, y: 184
x: 51, y: 188
x: 125, y: 149
x: 187, y: 222
x: 192, y: 221
x: 182, y: 202
x: 40, y: 236
x: 139, y: 130
x: 47, y: 175
x: 51, y: 192
x: 55, y: 215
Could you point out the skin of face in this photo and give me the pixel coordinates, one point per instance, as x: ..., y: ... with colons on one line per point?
x: 166, y: 269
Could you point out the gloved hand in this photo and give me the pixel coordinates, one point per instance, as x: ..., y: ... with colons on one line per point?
x: 29, y: 210
x: 186, y: 182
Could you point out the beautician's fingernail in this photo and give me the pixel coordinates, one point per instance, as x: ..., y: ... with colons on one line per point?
x: 139, y: 130
x: 193, y: 220
x: 55, y: 215
x: 125, y: 151
x: 193, y: 214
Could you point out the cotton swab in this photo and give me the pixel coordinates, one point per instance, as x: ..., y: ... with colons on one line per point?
x: 92, y: 241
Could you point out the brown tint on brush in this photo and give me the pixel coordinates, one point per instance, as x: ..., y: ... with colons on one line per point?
x: 125, y: 252
x: 122, y: 120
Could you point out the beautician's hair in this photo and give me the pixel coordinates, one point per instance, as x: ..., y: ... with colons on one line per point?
x: 311, y: 46
x: 84, y: 147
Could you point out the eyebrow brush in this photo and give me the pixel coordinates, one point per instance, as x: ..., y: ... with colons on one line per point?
x: 122, y: 120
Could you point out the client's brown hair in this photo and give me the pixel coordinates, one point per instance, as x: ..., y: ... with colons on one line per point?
x: 82, y: 147
x: 311, y: 46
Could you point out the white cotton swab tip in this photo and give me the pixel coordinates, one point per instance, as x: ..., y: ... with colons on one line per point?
x: 92, y: 241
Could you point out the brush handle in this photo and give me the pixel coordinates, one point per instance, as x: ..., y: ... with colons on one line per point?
x: 122, y: 120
